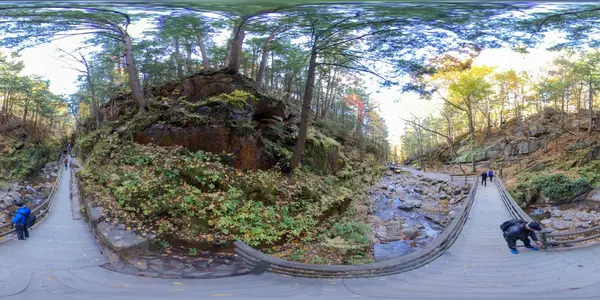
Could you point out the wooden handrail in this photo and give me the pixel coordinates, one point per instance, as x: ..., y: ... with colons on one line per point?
x: 518, y: 213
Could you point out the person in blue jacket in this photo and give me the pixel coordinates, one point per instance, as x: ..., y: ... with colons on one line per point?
x: 20, y: 221
x: 491, y: 175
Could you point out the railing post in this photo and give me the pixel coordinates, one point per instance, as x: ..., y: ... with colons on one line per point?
x: 544, y: 240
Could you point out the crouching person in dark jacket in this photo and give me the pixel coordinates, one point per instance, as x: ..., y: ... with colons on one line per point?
x: 20, y: 221
x: 520, y: 230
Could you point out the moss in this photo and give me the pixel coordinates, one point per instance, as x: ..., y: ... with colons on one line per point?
x: 19, y: 164
x: 319, y: 150
x: 559, y: 188
x: 591, y: 172
x: 244, y: 129
x: 467, y: 156
x: 277, y: 150
x: 237, y: 99
x: 318, y: 143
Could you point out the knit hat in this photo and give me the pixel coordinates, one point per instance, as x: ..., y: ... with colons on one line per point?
x: 535, y: 226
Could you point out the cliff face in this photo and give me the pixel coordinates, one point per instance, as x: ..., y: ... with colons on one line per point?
x: 223, y: 114
x: 23, y: 153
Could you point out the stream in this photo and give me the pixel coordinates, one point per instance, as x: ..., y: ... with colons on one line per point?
x: 32, y: 191
x: 401, y: 231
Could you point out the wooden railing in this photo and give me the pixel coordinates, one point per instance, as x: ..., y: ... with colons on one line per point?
x: 466, y: 179
x: 514, y: 209
x: 41, y: 211
x: 263, y: 262
x: 551, y: 240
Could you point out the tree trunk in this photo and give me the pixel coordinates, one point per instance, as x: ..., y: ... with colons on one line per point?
x: 25, y: 112
x: 272, y: 73
x: 288, y: 89
x: 179, y: 65
x: 306, y: 108
x: 205, y: 61
x: 189, y: 69
x: 421, y: 154
x: 134, y: 79
x: 235, y: 55
x: 591, y: 104
x: 472, y: 134
x: 489, y: 118
x: 264, y: 58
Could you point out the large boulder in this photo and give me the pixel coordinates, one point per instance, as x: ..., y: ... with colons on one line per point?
x: 409, y: 204
x: 121, y: 239
x: 16, y: 196
x: 594, y: 195
x: 537, y: 130
x: 411, y: 232
x: 592, y: 154
x: 523, y: 147
x: 511, y: 150
x: 561, y: 225
x: 393, y: 230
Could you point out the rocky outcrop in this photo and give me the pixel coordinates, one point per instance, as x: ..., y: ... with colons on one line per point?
x: 248, y: 152
x: 199, y: 87
x: 523, y: 147
x: 224, y: 114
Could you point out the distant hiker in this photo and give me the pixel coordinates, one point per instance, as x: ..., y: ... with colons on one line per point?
x: 484, y: 178
x: 20, y: 221
x: 490, y: 175
x: 516, y: 229
x: 66, y: 162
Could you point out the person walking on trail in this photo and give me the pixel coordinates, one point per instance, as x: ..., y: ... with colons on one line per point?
x: 517, y: 229
x: 20, y: 221
x: 66, y: 162
x: 490, y: 175
x: 484, y: 178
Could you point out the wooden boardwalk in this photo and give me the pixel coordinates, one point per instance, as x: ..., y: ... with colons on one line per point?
x: 61, y: 261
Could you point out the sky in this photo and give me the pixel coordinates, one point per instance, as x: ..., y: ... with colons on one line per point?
x: 44, y: 60
x: 396, y: 106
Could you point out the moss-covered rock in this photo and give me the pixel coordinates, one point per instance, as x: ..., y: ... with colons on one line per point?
x: 558, y: 188
x: 321, y: 153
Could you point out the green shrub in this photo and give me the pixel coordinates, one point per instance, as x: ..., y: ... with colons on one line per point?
x: 172, y: 192
x: 559, y: 188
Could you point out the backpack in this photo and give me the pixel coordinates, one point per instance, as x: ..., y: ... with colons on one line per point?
x: 509, y: 223
x: 31, y: 220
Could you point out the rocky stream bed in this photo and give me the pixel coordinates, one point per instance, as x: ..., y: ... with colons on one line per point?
x: 32, y: 191
x: 409, y: 211
x: 567, y: 217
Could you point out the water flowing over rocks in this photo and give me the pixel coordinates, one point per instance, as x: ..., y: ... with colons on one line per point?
x: 32, y: 192
x: 409, y: 211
